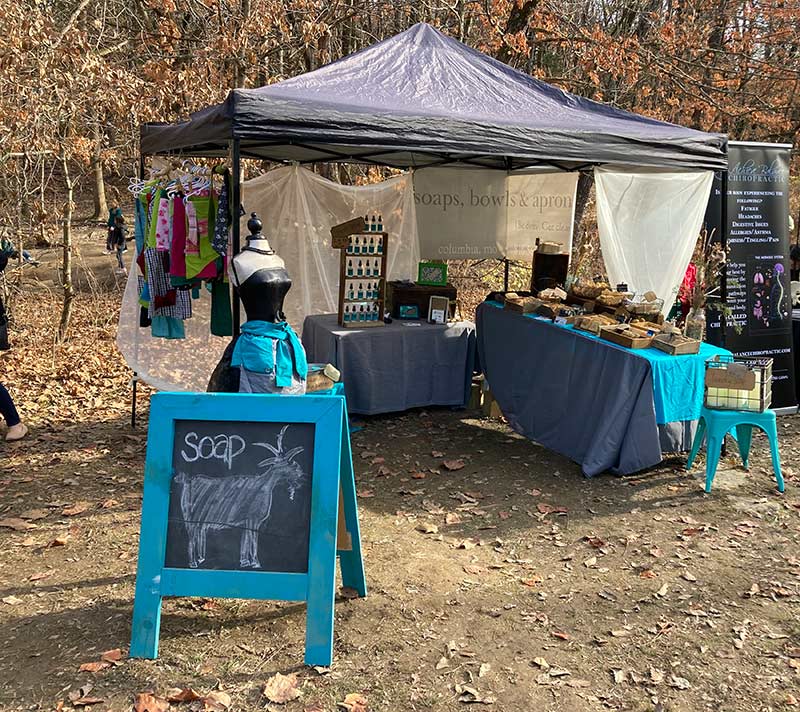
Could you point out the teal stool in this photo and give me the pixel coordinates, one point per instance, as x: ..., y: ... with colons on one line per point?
x: 716, y: 423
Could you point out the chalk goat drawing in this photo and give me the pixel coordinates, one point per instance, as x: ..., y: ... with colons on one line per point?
x: 237, y: 501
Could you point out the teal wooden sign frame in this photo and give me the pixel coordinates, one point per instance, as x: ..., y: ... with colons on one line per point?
x: 332, y: 474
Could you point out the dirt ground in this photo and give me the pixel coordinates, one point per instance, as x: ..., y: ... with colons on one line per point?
x: 511, y: 582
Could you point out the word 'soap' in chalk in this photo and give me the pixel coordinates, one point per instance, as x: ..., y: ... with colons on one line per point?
x: 242, y: 501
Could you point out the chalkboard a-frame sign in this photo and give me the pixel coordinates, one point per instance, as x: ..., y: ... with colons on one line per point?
x: 241, y: 500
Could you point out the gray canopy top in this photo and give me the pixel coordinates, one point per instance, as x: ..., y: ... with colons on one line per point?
x: 421, y: 99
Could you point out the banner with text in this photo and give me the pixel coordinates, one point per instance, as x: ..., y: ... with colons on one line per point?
x: 466, y: 214
x: 759, y: 322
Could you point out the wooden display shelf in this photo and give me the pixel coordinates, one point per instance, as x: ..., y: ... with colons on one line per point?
x: 342, y: 238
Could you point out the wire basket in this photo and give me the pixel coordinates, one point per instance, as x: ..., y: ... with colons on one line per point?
x: 735, y: 383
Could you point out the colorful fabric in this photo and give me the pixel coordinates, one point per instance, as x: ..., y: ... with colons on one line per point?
x: 164, y: 300
x: 192, y: 240
x: 202, y: 264
x: 162, y: 225
x: 220, y: 241
x: 221, y: 317
x: 177, y: 257
x: 254, y: 351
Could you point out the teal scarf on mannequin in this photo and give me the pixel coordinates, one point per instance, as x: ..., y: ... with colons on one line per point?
x: 253, y: 351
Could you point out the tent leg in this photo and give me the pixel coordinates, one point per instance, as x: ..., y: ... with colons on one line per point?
x: 236, y: 170
x: 723, y: 238
x: 133, y: 400
x: 505, y: 274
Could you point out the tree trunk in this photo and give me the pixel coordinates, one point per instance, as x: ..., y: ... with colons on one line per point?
x: 585, y: 181
x: 100, y: 203
x: 66, y: 310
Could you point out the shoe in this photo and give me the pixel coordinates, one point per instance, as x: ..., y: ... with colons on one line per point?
x: 16, y: 432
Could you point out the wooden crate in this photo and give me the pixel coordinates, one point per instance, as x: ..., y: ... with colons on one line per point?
x: 631, y: 339
x: 676, y: 344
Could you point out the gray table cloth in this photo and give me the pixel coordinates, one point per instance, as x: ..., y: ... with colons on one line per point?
x: 397, y: 366
x: 580, y: 397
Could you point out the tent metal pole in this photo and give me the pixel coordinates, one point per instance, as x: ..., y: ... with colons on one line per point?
x: 505, y: 274
x: 236, y: 170
x: 723, y: 238
x: 135, y: 379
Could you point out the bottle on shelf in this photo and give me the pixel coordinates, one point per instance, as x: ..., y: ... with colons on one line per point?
x: 375, y: 313
x: 360, y: 269
x: 349, y: 268
x: 373, y: 226
x: 346, y: 315
x: 351, y: 293
x: 361, y: 314
x: 380, y: 245
x: 366, y: 223
x: 360, y: 290
x: 371, y: 245
x: 380, y: 223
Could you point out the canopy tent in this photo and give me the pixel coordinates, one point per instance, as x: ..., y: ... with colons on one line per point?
x: 420, y: 99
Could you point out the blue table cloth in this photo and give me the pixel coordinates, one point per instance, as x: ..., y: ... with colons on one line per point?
x: 398, y: 366
x: 602, y: 405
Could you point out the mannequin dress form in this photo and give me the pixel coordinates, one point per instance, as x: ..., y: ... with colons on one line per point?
x: 267, y: 353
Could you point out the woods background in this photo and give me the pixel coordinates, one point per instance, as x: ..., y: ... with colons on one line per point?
x: 77, y: 77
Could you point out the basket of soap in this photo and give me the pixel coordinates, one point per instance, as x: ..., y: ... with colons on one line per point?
x: 626, y: 335
x: 734, y: 383
x: 647, y: 304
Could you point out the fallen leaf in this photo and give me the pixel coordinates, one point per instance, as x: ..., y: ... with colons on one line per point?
x: 541, y: 663
x: 443, y: 663
x: 545, y: 508
x: 109, y: 503
x: 367, y: 454
x: 473, y: 570
x: 467, y: 544
x: 687, y: 576
x: 186, y: 694
x: 17, y: 524
x: 656, y: 676
x: 484, y: 669
x: 558, y: 672
x: 560, y: 635
x: 366, y: 493
x: 148, y: 702
x: 60, y: 540
x: 453, y: 465
x: 418, y: 476
x: 77, y: 508
x: 281, y: 688
x: 618, y: 675
x: 112, y: 656
x: 216, y: 701
x: 790, y: 700
x: 12, y: 600
x: 34, y: 514
x: 427, y: 528
x: 576, y: 682
x: 41, y: 575
x: 95, y: 666
x: 621, y: 633
x: 647, y: 574
x: 662, y: 591
x: 452, y: 518
x: 436, y: 453
x: 680, y: 683
x: 354, y: 702
x: 533, y: 581
x: 591, y: 561
x: 86, y: 701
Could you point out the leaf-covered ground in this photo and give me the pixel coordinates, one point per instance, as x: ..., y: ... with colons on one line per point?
x: 498, y: 576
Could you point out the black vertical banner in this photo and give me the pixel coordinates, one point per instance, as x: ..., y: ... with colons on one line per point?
x: 759, y: 322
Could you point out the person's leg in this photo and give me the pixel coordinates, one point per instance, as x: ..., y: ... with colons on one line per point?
x: 7, y: 409
x: 119, y: 258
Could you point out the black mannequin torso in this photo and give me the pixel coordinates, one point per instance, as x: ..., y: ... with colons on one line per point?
x: 262, y: 294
